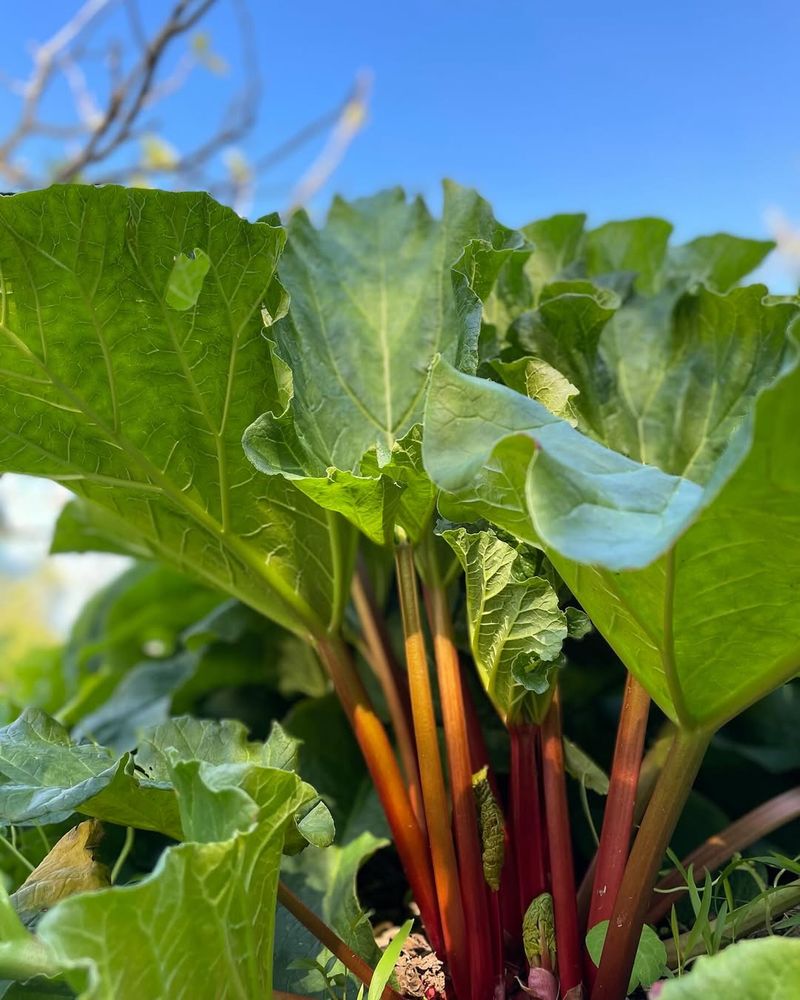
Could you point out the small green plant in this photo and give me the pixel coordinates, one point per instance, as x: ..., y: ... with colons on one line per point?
x: 508, y: 437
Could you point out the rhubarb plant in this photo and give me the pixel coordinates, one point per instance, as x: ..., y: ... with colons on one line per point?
x: 410, y: 461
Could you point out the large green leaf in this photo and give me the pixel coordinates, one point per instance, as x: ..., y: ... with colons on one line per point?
x: 374, y: 296
x: 507, y: 458
x: 632, y: 256
x: 516, y: 627
x: 664, y: 378
x: 134, y: 393
x: 707, y: 565
x: 21, y: 954
x: 765, y: 969
x: 202, y: 924
x: 45, y: 777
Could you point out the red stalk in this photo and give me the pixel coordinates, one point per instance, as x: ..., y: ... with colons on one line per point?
x: 633, y: 899
x: 393, y: 685
x: 382, y: 765
x: 565, y: 910
x: 712, y: 854
x: 474, y: 890
x: 527, y: 822
x: 330, y: 939
x: 649, y: 770
x: 615, y: 838
x: 437, y: 805
x: 478, y: 751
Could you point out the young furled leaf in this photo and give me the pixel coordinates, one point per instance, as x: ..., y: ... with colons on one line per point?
x: 516, y: 627
x: 492, y: 826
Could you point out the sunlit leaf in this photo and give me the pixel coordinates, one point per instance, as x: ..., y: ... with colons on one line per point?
x: 139, y: 406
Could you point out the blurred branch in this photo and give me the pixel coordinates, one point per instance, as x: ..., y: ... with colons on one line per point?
x: 110, y: 135
x: 349, y: 122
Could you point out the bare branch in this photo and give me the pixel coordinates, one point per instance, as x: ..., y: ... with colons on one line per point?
x: 350, y: 122
x: 118, y: 83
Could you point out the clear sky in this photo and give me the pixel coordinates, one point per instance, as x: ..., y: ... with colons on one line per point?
x: 687, y: 109
x: 684, y: 109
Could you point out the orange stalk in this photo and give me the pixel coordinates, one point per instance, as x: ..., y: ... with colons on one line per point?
x: 465, y: 817
x: 434, y: 794
x: 383, y: 768
x: 395, y: 692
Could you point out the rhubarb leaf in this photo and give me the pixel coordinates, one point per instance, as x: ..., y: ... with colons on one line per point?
x: 762, y: 969
x: 516, y: 627
x: 707, y: 564
x: 631, y: 257
x: 132, y: 385
x: 224, y: 742
x: 650, y: 960
x: 665, y: 378
x: 146, y: 939
x: 375, y: 294
x: 68, y: 868
x: 45, y: 777
x: 507, y: 458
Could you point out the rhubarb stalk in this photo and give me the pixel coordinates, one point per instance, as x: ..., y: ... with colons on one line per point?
x: 465, y: 817
x: 562, y: 873
x: 615, y: 838
x: 385, y: 772
x: 394, y: 688
x: 715, y: 851
x: 527, y: 822
x: 436, y: 802
x: 633, y: 899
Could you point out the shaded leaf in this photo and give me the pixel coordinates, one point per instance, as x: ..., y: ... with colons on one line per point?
x: 515, y: 625
x: 70, y: 867
x: 141, y: 700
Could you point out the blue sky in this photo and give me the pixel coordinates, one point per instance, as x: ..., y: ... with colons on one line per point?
x: 687, y: 110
